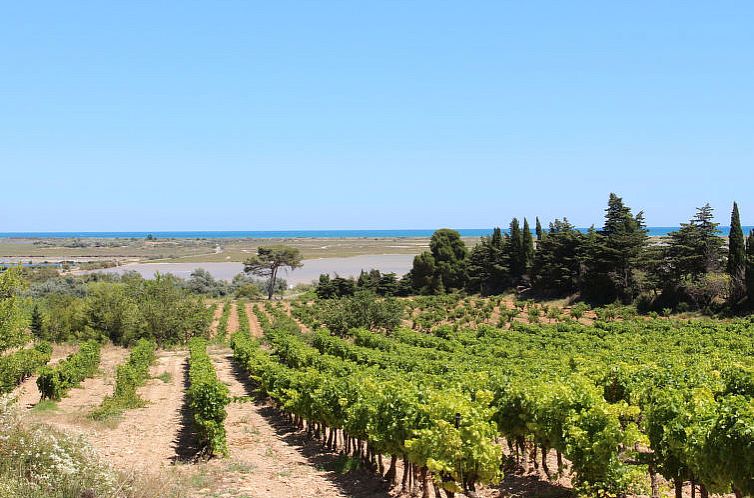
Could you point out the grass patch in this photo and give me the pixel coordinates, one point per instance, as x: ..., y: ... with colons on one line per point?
x: 113, y: 407
x: 343, y: 465
x: 166, y: 377
x: 240, y: 467
x: 46, y: 405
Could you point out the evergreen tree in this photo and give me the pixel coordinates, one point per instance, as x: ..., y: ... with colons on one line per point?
x: 528, y: 245
x: 736, y: 267
x: 424, y: 275
x: 614, y: 254
x: 557, y: 262
x: 696, y: 249
x: 449, y: 252
x: 538, y: 229
x: 750, y: 266
x: 36, y: 322
x: 487, y: 265
x: 516, y: 250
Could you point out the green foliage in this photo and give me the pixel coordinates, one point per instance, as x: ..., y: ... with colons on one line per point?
x: 443, y: 267
x: 736, y: 266
x: 363, y: 310
x: 18, y: 366
x: 13, y: 320
x: 750, y: 267
x: 55, y: 382
x: 208, y: 398
x: 128, y: 377
x: 557, y: 261
x: 268, y: 261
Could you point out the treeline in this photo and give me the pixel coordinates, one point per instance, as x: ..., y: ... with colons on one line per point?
x: 691, y: 268
x: 121, y: 309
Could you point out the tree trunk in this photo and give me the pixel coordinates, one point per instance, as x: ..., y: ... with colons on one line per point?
x: 737, y: 492
x: 678, y: 487
x: 391, y: 472
x: 271, y: 287
x: 560, y: 461
x: 653, y: 483
x: 693, y: 488
x: 703, y: 493
x: 545, y: 468
x: 425, y: 483
x: 524, y: 455
x: 404, y: 481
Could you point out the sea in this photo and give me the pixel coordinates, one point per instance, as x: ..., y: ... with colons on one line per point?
x: 286, y: 234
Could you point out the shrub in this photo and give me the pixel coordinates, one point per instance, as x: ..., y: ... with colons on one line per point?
x: 55, y: 382
x: 17, y: 367
x: 208, y: 398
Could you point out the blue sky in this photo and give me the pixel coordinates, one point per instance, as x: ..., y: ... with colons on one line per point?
x: 371, y: 114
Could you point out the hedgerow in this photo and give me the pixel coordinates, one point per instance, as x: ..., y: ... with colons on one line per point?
x: 55, y: 382
x: 208, y: 398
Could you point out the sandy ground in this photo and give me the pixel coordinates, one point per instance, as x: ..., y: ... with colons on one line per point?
x: 233, y: 318
x: 27, y: 392
x: 216, y: 319
x: 265, y: 462
x: 254, y: 327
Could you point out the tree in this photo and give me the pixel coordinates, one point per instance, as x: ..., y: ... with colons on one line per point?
x: 516, y: 250
x: 487, y: 265
x: 538, y: 229
x: 528, y: 245
x: 696, y: 249
x: 269, y: 260
x: 736, y: 257
x: 750, y: 266
x: 443, y: 267
x: 449, y: 252
x: 13, y: 320
x: 36, y: 324
x: 557, y: 263
x: 362, y: 310
x: 613, y: 255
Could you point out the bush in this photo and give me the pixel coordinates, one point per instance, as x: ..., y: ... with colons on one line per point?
x: 208, y: 398
x: 55, y: 382
x: 363, y: 310
x: 17, y: 367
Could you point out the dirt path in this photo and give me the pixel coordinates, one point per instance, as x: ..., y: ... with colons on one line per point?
x: 254, y: 327
x: 216, y: 319
x: 233, y: 318
x: 265, y: 461
x: 148, y: 438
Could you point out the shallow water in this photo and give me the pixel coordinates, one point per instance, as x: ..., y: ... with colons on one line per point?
x: 345, y: 267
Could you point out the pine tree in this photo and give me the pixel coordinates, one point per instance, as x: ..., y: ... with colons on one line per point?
x: 696, y: 249
x: 613, y: 255
x: 736, y: 267
x: 538, y: 229
x: 528, y: 245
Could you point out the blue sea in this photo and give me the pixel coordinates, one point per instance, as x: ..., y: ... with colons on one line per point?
x: 284, y: 234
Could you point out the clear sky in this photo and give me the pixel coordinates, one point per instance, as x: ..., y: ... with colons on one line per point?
x: 371, y: 114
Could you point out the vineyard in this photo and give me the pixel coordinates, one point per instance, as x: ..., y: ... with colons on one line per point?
x: 465, y: 395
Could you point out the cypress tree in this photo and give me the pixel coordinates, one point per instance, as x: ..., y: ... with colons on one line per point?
x: 36, y: 322
x: 750, y: 266
x: 736, y: 267
x: 538, y: 229
x: 528, y: 245
x: 516, y: 248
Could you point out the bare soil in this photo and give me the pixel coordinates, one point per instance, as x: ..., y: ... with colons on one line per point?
x: 233, y: 318
x: 254, y: 327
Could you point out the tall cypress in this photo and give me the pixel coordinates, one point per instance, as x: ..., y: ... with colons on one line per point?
x: 516, y: 248
x: 528, y: 245
x: 750, y: 266
x: 538, y: 229
x: 736, y: 267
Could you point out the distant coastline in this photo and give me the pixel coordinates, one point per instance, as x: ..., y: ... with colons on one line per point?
x: 285, y: 234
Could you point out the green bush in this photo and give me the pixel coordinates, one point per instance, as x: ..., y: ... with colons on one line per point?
x: 208, y: 398
x: 17, y: 367
x: 55, y: 382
